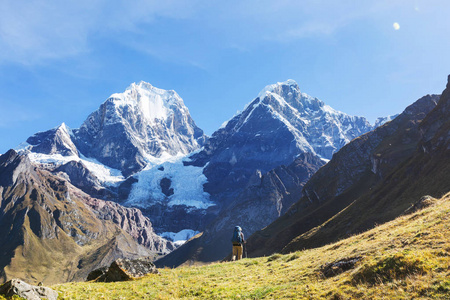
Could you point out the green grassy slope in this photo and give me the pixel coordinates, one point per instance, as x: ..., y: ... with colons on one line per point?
x: 406, y: 258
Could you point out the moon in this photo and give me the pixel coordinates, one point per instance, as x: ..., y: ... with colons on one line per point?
x: 396, y: 26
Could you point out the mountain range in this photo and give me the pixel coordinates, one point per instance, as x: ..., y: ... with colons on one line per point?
x: 139, y: 178
x: 135, y: 150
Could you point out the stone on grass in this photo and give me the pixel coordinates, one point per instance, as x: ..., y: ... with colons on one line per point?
x: 97, y: 273
x: 27, y: 291
x: 340, y: 266
x: 124, y: 269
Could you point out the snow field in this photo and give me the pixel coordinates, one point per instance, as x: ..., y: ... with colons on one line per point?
x: 187, y: 183
x: 179, y: 238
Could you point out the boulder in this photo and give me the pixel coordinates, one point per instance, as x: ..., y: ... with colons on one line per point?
x: 27, y: 291
x: 340, y: 266
x: 124, y: 269
x: 97, y: 274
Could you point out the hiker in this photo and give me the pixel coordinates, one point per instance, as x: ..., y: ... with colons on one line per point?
x: 238, y: 242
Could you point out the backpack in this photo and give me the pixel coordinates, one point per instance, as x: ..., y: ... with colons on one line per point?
x: 237, y: 236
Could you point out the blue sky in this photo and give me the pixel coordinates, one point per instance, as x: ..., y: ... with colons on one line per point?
x: 59, y: 60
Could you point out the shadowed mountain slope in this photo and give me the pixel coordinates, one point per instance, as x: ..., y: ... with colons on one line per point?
x: 266, y: 198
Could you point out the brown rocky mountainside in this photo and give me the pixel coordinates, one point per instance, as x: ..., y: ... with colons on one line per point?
x: 53, y: 232
x: 369, y: 181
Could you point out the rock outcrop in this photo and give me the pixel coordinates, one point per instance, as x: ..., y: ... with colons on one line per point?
x: 124, y: 270
x: 17, y: 287
x: 337, y: 267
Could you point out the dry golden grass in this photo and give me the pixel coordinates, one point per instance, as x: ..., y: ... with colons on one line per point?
x: 408, y: 258
x: 403, y: 259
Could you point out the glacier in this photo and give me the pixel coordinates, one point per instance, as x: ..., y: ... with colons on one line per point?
x: 181, y: 237
x: 186, y: 181
x: 105, y: 174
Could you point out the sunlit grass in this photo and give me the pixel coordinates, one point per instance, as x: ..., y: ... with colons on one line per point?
x: 403, y: 259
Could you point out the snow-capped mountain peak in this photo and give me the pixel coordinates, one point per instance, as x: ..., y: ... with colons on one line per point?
x: 315, y: 127
x: 151, y: 102
x: 54, y: 141
x: 142, y: 125
x: 284, y: 121
x: 138, y: 126
x: 279, y: 88
x: 64, y: 128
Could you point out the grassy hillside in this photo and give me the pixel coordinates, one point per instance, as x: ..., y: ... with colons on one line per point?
x: 406, y: 258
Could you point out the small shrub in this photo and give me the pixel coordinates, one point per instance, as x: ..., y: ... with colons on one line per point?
x: 261, y: 293
x: 293, y: 257
x: 274, y: 257
x: 397, y: 266
x: 337, y: 296
x: 251, y: 263
x: 442, y: 287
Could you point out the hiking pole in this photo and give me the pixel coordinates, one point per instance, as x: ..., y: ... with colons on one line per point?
x: 245, y: 248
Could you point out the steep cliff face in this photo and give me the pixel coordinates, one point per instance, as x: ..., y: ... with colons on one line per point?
x: 55, y: 141
x: 141, y: 125
x: 370, y: 181
x: 49, y: 227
